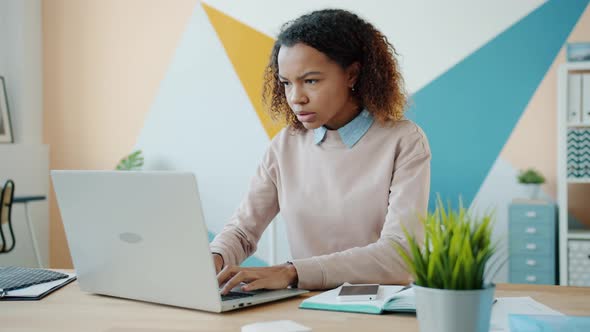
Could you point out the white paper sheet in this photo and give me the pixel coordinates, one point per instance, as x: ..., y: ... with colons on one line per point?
x: 516, y: 305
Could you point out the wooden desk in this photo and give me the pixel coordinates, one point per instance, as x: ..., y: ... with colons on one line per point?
x: 69, y: 309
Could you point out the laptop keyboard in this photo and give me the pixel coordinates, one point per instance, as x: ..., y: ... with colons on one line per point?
x: 13, y: 277
x: 235, y: 295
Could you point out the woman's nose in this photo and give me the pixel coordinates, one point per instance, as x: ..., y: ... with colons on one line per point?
x: 298, y: 96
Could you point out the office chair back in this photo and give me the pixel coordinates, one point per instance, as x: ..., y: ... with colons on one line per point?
x: 6, y: 232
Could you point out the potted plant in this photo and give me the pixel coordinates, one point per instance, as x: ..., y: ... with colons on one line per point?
x: 532, y: 180
x: 132, y: 162
x: 448, y: 270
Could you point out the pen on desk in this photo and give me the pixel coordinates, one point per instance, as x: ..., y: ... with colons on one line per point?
x: 404, y: 288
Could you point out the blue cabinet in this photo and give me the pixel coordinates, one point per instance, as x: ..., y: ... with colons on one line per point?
x: 532, y: 244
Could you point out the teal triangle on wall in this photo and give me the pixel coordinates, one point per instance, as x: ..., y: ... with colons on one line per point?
x: 469, y: 112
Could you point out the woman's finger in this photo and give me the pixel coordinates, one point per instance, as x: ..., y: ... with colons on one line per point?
x: 256, y: 284
x: 227, y: 273
x: 234, y: 281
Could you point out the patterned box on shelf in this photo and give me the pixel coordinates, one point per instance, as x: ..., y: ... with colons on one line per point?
x: 578, y: 153
x: 532, y: 243
x: 579, y: 262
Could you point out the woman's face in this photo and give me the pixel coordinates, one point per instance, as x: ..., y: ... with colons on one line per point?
x: 317, y: 89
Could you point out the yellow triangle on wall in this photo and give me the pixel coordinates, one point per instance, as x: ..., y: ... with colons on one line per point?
x: 248, y: 51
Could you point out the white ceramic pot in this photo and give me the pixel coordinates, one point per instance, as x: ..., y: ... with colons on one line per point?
x: 532, y: 190
x: 446, y: 310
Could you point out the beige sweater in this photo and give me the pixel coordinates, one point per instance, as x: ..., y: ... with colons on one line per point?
x: 343, y: 207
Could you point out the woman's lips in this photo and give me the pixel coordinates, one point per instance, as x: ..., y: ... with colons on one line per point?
x: 306, y: 116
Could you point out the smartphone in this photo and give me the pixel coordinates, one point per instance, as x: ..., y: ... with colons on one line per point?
x: 358, y: 292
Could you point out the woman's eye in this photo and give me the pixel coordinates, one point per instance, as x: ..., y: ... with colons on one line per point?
x: 285, y: 83
x: 311, y: 81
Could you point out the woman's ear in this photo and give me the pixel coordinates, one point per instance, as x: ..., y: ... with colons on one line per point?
x: 352, y: 73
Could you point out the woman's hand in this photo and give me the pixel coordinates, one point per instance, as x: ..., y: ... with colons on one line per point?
x: 273, y: 277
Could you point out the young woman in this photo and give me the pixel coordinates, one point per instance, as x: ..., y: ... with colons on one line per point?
x: 347, y: 173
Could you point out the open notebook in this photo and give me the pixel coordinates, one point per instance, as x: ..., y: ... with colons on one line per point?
x: 389, y: 299
x: 35, y: 290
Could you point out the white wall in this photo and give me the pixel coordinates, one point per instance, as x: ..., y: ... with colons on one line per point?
x: 25, y: 161
x: 21, y: 65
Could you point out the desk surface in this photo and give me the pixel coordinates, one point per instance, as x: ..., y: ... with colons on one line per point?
x: 70, y: 309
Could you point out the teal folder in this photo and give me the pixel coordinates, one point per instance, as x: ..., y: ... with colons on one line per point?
x: 549, y: 323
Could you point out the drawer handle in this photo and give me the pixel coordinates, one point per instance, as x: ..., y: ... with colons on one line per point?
x: 531, y: 278
x: 531, y: 246
x: 531, y: 262
x: 531, y: 230
x: 531, y: 214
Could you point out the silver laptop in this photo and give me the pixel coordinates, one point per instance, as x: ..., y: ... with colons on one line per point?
x: 142, y: 236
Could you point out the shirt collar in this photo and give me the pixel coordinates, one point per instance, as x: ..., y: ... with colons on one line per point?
x: 350, y: 133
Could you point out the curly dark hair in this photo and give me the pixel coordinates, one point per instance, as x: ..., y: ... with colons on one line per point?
x: 345, y: 38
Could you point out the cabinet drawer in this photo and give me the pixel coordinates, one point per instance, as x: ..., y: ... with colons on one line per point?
x: 532, y: 263
x: 532, y: 229
x: 531, y: 245
x: 528, y: 213
x: 528, y: 277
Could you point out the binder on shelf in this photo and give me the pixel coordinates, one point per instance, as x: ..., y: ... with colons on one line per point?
x: 572, y: 153
x: 574, y: 99
x: 586, y: 99
x: 584, y: 153
x: 578, y: 153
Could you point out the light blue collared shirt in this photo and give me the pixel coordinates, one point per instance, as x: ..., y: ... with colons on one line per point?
x: 350, y: 133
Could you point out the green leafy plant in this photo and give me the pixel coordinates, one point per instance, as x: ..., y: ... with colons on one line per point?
x: 132, y: 162
x: 530, y: 176
x: 456, y: 248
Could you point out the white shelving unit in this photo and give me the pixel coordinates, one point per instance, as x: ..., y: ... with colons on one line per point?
x: 563, y: 97
x: 578, y: 235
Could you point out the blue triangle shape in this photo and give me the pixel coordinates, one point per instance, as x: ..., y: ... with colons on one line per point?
x: 469, y: 111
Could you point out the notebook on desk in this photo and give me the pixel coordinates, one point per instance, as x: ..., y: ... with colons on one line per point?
x: 22, y: 284
x: 389, y: 299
